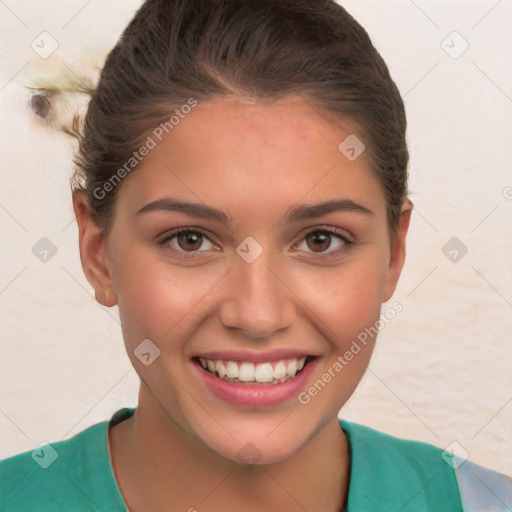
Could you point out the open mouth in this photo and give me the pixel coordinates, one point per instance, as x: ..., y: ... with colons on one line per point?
x: 246, y: 372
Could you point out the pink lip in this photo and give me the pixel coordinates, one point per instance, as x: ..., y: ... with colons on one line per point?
x: 254, y: 357
x: 256, y: 395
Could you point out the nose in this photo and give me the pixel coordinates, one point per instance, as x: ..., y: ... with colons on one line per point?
x: 258, y: 301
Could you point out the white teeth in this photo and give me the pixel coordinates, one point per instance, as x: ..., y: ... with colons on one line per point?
x: 292, y: 368
x: 280, y: 370
x: 232, y: 370
x: 248, y: 372
x: 221, y: 369
x: 264, y: 372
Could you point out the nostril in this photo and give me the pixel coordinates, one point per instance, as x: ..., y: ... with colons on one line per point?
x: 41, y: 105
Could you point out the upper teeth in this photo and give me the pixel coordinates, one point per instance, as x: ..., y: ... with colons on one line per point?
x: 245, y: 371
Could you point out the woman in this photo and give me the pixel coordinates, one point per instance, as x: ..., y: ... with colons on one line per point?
x: 241, y: 195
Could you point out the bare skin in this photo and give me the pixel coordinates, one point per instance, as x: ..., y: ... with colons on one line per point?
x: 254, y: 162
x: 206, y: 481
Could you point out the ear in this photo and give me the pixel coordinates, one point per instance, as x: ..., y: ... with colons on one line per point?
x: 397, y: 257
x: 93, y: 252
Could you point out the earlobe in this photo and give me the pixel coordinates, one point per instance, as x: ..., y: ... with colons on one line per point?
x: 106, y: 297
x: 93, y: 254
x: 398, y: 250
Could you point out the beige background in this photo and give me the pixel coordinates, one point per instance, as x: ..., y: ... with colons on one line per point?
x: 441, y: 372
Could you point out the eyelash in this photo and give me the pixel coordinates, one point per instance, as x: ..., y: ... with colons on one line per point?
x: 320, y: 230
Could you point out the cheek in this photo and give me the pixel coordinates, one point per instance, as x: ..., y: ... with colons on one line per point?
x: 156, y: 300
x: 347, y: 299
x: 346, y: 307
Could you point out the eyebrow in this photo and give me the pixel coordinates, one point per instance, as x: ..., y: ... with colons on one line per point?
x: 295, y: 214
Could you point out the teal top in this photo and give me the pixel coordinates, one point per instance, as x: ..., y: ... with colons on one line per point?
x: 386, y: 474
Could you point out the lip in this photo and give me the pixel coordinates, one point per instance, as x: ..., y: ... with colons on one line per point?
x: 254, y: 357
x: 254, y: 395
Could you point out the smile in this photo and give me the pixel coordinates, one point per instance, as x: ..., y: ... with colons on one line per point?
x: 255, y: 380
x: 246, y: 372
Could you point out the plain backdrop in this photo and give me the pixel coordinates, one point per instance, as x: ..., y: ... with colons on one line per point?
x: 441, y: 371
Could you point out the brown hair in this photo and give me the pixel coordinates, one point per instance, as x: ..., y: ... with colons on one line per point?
x: 177, y: 50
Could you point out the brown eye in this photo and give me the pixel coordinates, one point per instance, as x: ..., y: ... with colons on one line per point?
x: 325, y: 243
x: 190, y: 240
x: 187, y: 243
x: 320, y: 241
x: 41, y: 106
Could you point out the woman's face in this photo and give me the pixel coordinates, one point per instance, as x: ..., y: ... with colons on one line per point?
x: 257, y: 280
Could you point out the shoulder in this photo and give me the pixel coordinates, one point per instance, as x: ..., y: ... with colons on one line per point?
x: 389, y: 451
x: 66, y: 475
x: 419, y: 476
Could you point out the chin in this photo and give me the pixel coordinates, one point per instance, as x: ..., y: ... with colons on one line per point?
x: 256, y: 447
x: 257, y: 453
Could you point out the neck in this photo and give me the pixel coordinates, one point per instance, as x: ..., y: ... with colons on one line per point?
x: 157, y: 463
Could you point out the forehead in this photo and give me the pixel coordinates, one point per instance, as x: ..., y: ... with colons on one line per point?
x: 254, y: 155
x: 285, y: 128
